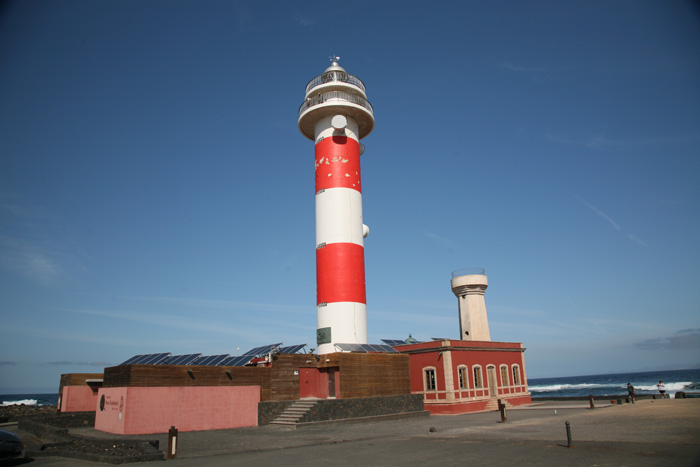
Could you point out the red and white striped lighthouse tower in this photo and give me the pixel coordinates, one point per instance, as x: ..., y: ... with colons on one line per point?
x: 336, y: 115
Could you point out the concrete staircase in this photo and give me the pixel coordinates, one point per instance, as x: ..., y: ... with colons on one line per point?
x: 493, y: 404
x: 293, y: 413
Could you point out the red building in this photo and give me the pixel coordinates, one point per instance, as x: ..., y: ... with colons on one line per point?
x: 458, y: 376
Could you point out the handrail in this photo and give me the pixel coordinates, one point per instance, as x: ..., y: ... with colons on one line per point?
x: 335, y: 96
x: 332, y: 76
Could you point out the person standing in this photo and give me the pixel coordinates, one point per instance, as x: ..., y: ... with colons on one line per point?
x: 630, y: 392
x: 662, y: 389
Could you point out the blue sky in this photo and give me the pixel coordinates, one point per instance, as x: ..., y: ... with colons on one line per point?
x: 156, y: 194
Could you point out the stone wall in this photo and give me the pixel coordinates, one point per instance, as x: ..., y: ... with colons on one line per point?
x: 338, y: 409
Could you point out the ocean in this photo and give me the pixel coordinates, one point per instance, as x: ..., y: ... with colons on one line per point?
x: 28, y: 399
x: 570, y: 386
x: 616, y: 384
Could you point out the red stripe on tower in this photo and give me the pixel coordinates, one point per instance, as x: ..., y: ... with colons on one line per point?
x: 338, y: 163
x: 340, y: 273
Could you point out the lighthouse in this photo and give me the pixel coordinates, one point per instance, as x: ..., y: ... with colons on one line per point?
x: 336, y: 115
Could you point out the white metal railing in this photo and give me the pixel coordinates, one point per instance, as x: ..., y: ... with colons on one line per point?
x: 335, y: 96
x: 332, y: 76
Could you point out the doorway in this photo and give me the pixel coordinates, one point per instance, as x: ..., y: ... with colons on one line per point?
x: 493, y: 385
x: 331, y: 383
x: 319, y: 383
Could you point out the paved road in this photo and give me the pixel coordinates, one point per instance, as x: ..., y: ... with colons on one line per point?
x: 649, y: 433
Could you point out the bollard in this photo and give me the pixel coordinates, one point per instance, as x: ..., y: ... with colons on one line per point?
x: 568, y: 435
x: 502, y: 409
x: 590, y: 401
x: 172, y: 442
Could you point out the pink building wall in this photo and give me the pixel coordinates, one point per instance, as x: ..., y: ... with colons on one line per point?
x: 78, y: 399
x: 144, y: 410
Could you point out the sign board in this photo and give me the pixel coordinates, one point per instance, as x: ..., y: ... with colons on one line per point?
x: 323, y: 336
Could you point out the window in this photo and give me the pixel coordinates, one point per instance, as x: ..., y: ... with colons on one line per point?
x: 477, y: 377
x: 430, y: 384
x: 516, y: 375
x: 504, y: 375
x: 463, y: 377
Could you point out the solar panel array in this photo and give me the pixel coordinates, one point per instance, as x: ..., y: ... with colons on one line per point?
x: 211, y: 360
x: 179, y: 359
x: 146, y: 359
x: 263, y: 350
x: 393, y: 342
x: 292, y: 349
x: 365, y: 348
x: 241, y: 360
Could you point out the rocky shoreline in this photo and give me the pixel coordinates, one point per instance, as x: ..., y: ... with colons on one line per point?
x: 45, y: 433
x: 14, y: 413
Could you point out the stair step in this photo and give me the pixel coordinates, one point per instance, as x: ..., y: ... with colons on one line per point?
x: 295, y: 412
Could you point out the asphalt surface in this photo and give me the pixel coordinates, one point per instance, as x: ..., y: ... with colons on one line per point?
x: 648, y: 433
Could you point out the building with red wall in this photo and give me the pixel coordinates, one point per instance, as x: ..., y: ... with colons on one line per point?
x: 458, y: 376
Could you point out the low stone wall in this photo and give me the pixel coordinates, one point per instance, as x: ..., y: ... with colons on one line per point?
x: 339, y: 409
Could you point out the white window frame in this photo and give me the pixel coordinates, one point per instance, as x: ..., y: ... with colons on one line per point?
x: 504, y: 371
x: 517, y: 377
x: 427, y: 379
x: 478, y: 375
x: 463, y: 376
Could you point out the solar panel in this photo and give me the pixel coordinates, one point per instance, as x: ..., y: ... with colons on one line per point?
x: 263, y: 349
x: 236, y: 361
x: 146, y: 359
x: 393, y: 342
x: 292, y: 348
x: 439, y: 338
x: 180, y: 359
x: 364, y: 348
x: 209, y: 360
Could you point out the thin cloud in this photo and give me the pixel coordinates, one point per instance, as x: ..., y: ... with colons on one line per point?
x: 429, y: 305
x: 303, y: 20
x: 60, y: 363
x: 423, y: 318
x: 129, y: 342
x: 98, y: 364
x: 4, y: 363
x: 441, y: 241
x: 636, y: 240
x: 523, y: 69
x: 496, y: 310
x: 600, y: 213
x: 246, y: 21
x: 612, y: 222
x: 226, y: 304
x: 253, y: 331
x: 35, y: 251
x: 686, y: 339
x: 536, y: 74
x: 30, y: 260
x: 602, y: 142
